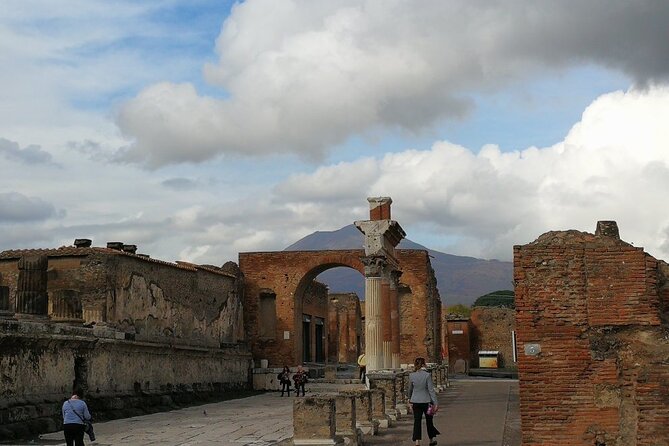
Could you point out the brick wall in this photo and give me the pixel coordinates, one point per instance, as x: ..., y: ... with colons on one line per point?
x: 592, y: 305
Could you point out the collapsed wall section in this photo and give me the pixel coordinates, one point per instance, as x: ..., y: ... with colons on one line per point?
x: 593, y: 344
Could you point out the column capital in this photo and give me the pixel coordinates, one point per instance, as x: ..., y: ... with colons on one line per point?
x: 374, y: 265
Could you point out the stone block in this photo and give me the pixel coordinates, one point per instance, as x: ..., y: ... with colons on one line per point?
x: 378, y: 397
x: 314, y: 421
x: 345, y: 418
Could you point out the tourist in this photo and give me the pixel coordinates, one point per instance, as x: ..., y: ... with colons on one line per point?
x: 423, y: 400
x: 362, y: 367
x: 300, y: 379
x: 75, y: 413
x: 284, y: 379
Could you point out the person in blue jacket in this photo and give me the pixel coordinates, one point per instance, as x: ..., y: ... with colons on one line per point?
x: 75, y: 411
x: 423, y: 400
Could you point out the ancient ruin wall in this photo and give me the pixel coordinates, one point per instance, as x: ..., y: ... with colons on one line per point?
x: 593, y: 344
x: 150, y: 299
x: 491, y: 329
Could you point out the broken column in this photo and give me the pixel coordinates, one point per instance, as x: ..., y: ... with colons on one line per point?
x: 31, y: 293
x: 381, y: 236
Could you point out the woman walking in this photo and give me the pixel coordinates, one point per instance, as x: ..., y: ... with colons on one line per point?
x: 423, y: 400
x: 75, y: 411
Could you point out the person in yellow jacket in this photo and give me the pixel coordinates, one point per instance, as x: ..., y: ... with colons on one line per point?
x: 362, y: 366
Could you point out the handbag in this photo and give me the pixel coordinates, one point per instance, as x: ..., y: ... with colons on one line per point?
x: 88, y: 425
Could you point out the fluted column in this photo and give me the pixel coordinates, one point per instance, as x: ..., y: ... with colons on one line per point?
x: 385, y: 318
x: 395, y: 318
x: 373, y: 319
x: 31, y: 294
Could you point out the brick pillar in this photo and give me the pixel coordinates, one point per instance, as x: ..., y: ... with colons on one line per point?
x: 31, y: 294
x: 363, y: 411
x: 66, y: 306
x: 345, y: 419
x: 314, y: 421
x: 395, y: 318
x: 373, y: 318
x: 387, y: 324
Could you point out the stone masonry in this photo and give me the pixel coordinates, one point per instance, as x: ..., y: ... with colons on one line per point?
x: 593, y: 341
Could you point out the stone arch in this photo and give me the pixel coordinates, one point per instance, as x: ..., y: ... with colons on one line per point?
x: 287, y: 273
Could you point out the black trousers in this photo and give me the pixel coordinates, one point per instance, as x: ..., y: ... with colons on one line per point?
x: 418, y: 410
x: 298, y: 387
x: 74, y: 434
x: 285, y: 387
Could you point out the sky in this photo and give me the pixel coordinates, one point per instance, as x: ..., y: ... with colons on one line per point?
x: 198, y: 129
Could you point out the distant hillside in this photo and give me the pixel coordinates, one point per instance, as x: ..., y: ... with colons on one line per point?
x: 459, y: 279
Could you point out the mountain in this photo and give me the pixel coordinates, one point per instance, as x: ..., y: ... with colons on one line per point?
x: 459, y: 279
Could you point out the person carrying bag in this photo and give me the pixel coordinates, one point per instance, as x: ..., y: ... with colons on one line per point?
x: 77, y: 420
x: 423, y: 400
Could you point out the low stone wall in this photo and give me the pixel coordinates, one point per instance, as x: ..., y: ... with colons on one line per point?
x: 41, y: 362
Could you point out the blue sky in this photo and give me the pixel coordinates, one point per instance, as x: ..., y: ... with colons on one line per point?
x: 198, y: 129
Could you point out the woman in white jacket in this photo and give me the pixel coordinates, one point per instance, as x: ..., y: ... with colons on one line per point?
x: 422, y: 397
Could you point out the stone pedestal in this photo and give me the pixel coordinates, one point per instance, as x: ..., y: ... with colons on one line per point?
x: 379, y: 408
x: 386, y: 382
x: 402, y: 385
x: 363, y: 411
x: 346, y: 420
x: 330, y: 373
x: 314, y: 421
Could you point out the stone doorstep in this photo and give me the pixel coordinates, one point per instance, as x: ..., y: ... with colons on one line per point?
x: 318, y: 441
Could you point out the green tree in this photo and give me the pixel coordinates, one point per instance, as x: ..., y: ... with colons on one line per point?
x: 459, y: 309
x: 500, y: 298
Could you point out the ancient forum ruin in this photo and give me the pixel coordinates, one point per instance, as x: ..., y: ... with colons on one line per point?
x: 144, y: 335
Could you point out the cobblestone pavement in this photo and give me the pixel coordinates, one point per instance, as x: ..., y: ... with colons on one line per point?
x: 474, y: 412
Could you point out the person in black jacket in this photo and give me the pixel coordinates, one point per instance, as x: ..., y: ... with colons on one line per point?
x: 284, y: 379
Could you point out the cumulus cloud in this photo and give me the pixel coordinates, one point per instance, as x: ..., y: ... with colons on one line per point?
x: 17, y: 208
x: 32, y: 154
x: 301, y: 76
x: 613, y: 164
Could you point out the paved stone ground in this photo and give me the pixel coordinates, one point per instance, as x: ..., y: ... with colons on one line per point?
x: 474, y: 412
x: 260, y: 420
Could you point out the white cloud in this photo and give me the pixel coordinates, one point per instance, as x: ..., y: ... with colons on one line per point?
x: 301, y: 76
x: 614, y: 164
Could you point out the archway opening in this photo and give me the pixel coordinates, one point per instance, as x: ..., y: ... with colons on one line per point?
x: 328, y: 315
